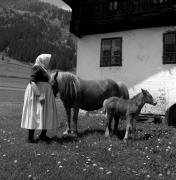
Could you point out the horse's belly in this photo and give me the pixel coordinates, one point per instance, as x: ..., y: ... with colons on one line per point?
x: 94, y: 93
x: 91, y: 106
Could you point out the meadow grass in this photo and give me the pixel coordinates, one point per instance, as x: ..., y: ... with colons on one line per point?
x: 90, y: 156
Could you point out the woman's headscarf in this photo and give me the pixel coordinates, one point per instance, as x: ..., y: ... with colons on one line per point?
x: 43, y: 61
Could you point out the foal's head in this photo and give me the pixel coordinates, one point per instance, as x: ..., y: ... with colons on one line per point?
x: 148, y: 97
x: 54, y: 83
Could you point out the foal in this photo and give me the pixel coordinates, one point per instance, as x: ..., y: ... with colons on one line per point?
x: 117, y: 107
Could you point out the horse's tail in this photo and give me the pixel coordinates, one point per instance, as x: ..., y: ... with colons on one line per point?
x: 119, y: 89
x: 124, y: 91
x: 104, y: 106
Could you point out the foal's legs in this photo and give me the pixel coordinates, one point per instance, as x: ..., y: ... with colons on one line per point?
x: 128, y: 126
x: 68, y: 113
x: 109, y: 118
x: 109, y: 125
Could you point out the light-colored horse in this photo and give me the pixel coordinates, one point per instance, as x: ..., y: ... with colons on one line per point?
x: 128, y: 109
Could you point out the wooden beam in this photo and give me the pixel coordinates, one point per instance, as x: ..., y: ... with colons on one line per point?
x: 69, y: 2
x: 124, y: 23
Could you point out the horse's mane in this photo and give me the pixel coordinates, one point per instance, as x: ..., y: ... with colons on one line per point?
x: 68, y: 87
x: 134, y: 97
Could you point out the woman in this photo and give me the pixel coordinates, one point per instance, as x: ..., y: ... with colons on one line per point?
x: 39, y: 109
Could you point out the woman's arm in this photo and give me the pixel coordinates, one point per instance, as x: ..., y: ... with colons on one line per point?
x: 35, y: 74
x: 38, y: 74
x: 34, y: 78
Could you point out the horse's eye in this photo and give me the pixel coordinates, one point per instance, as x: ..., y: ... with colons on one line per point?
x: 52, y: 82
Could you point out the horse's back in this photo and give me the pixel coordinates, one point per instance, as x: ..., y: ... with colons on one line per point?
x: 119, y: 89
x: 111, y: 102
x: 116, y: 105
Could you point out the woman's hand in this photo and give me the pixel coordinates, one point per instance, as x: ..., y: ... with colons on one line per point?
x: 42, y: 99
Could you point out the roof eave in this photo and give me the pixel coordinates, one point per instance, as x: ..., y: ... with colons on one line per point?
x: 69, y: 2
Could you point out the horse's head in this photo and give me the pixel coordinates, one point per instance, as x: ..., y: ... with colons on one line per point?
x: 54, y: 83
x: 148, y: 97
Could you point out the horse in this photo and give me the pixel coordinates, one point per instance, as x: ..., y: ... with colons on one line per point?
x: 78, y: 93
x: 116, y: 108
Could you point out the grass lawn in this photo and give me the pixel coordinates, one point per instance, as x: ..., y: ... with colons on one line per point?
x: 91, y: 156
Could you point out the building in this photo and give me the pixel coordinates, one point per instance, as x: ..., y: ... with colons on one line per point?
x: 133, y: 41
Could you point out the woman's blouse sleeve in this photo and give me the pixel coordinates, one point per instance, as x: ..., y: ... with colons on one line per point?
x: 38, y: 74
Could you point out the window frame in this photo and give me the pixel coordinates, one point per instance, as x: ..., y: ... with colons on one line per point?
x: 101, y: 51
x: 165, y: 61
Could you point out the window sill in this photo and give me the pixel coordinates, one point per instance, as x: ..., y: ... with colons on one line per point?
x: 119, y: 65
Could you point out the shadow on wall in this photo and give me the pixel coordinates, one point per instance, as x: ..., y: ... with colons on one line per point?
x: 161, y: 84
x: 154, y: 73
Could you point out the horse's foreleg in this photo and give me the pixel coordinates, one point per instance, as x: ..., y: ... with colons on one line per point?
x: 109, y: 125
x: 128, y: 125
x: 68, y: 113
x: 75, y: 118
x: 109, y: 118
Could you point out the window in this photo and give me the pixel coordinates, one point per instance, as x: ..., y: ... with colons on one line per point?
x: 110, y: 6
x: 169, y: 48
x: 111, y: 52
x: 113, y: 6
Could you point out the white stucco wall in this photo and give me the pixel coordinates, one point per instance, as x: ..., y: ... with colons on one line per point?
x: 142, y: 66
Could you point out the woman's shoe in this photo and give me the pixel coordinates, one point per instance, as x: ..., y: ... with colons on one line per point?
x: 44, y: 138
x: 32, y: 141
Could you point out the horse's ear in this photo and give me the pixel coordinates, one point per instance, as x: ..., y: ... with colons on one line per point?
x: 55, y: 76
x: 143, y: 91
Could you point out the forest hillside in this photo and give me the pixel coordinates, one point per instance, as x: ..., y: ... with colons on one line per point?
x: 31, y: 27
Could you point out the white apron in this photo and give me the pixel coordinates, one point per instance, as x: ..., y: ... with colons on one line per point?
x: 36, y: 115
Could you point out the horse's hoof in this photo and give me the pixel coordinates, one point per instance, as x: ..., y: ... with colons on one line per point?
x: 125, y: 141
x: 72, y: 132
x: 66, y: 132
